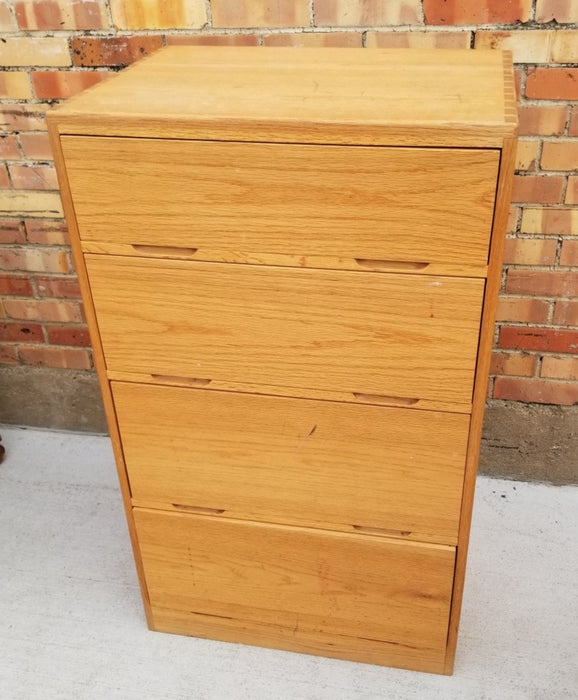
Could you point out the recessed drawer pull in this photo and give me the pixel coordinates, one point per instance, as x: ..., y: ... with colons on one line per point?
x: 189, y: 381
x: 200, y: 510
x: 401, y: 265
x: 378, y: 398
x: 367, y: 530
x: 167, y: 251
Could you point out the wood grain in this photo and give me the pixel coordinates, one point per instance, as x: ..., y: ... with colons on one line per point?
x: 319, y: 463
x: 373, y: 204
x: 392, y: 335
x: 333, y: 589
x: 378, y: 96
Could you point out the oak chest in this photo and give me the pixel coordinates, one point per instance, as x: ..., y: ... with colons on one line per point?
x: 290, y: 262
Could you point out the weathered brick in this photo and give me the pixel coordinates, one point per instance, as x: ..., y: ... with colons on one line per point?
x: 523, y: 310
x: 541, y: 339
x: 536, y: 391
x: 159, y: 14
x: 365, y: 13
x: 529, y: 46
x: 572, y: 190
x: 560, y: 367
x: 563, y: 11
x: 566, y: 312
x: 529, y: 251
x: 542, y: 283
x: 212, y: 40
x: 553, y: 222
x: 23, y: 117
x: 33, y: 177
x: 7, y: 19
x: 513, y: 364
x: 59, y: 85
x: 573, y: 126
x: 344, y: 39
x: 4, y: 178
x: 11, y: 231
x: 18, y: 332
x: 46, y: 232
x: 476, y: 11
x: 552, y: 83
x: 113, y: 51
x: 34, y: 259
x: 36, y: 146
x: 526, y: 155
x: 43, y: 310
x: 46, y: 356
x: 538, y: 120
x: 9, y: 355
x: 31, y: 203
x: 47, y: 15
x: 560, y: 155
x: 512, y: 223
x: 58, y: 287
x: 68, y: 335
x: 260, y: 13
x: 565, y: 45
x: 418, y: 39
x: 9, y: 147
x: 15, y: 85
x: 34, y: 51
x: 15, y: 285
x: 542, y: 189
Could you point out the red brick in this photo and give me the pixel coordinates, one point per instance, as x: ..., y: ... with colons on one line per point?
x: 518, y: 75
x: 18, y: 332
x: 523, y: 310
x: 9, y: 355
x: 58, y: 287
x: 68, y: 335
x: 261, y: 13
x: 212, y: 40
x: 559, y: 10
x: 513, y: 364
x: 4, y: 178
x: 566, y: 313
x: 33, y: 177
x: 9, y: 147
x: 560, y: 155
x: 538, y: 120
x: 536, y: 391
x: 513, y: 214
x: 11, y: 231
x: 550, y: 222
x: 569, y: 254
x: 539, y: 189
x: 552, y: 83
x: 419, y: 40
x: 572, y: 190
x: 43, y: 310
x: 59, y: 85
x: 300, y: 39
x: 46, y: 232
x: 573, y: 126
x: 542, y: 283
x: 44, y: 356
x: 15, y: 285
x: 529, y: 251
x: 47, y: 15
x: 541, y: 339
x: 560, y: 367
x: 113, y: 51
x: 476, y: 11
x: 36, y: 146
x: 18, y: 117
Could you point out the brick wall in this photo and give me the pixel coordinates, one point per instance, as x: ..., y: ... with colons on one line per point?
x: 52, y: 49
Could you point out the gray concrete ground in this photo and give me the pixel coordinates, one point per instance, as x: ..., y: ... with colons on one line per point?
x: 71, y: 625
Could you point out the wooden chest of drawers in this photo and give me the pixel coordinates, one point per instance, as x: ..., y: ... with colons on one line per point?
x: 290, y: 262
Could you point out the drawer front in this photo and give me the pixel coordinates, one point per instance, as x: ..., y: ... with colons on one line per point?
x: 396, y: 204
x: 391, y: 335
x: 366, y: 597
x: 318, y: 463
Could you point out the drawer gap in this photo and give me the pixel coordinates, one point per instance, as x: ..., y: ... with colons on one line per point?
x: 397, y: 265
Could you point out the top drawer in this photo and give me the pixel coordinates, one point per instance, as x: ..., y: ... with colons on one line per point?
x: 418, y: 205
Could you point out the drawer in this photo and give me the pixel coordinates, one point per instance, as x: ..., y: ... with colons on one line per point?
x: 335, y: 594
x: 422, y: 205
x: 380, y: 334
x: 318, y: 463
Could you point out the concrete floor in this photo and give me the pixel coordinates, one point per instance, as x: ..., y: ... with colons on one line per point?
x: 72, y: 628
